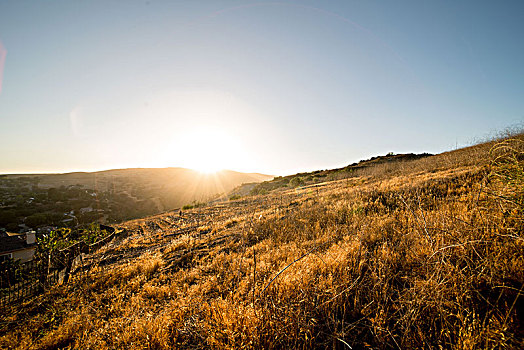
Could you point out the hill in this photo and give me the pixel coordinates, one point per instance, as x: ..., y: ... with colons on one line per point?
x: 319, y: 176
x: 426, y: 253
x: 110, y: 196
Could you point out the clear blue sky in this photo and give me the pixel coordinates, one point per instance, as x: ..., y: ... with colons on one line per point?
x: 272, y: 87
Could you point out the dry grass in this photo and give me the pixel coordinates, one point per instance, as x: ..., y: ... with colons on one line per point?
x: 424, y: 254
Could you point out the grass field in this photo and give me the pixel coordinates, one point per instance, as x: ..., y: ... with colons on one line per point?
x: 419, y: 254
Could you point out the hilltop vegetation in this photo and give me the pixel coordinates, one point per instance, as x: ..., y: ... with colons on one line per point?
x: 319, y: 176
x: 425, y: 253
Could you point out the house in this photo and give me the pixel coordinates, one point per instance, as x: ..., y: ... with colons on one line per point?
x: 45, y: 229
x: 69, y: 217
x: 86, y: 210
x: 17, y: 246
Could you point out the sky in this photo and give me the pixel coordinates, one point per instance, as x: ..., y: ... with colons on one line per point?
x: 253, y: 86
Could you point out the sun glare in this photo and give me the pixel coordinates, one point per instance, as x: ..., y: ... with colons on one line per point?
x: 209, y: 151
x: 207, y: 169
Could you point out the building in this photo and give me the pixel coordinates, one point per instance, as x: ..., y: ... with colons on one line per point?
x: 17, y: 246
x: 86, y: 210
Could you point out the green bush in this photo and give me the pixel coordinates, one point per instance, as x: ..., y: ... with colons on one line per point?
x: 296, y: 181
x: 193, y: 205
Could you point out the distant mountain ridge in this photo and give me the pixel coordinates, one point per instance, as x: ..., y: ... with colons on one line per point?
x: 106, y: 179
x: 113, y: 195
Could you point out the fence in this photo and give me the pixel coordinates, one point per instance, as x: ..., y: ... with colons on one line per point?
x: 22, y: 281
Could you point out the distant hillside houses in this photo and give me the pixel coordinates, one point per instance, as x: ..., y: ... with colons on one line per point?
x: 86, y: 210
x: 16, y: 246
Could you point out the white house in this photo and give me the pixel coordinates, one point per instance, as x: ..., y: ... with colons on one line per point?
x: 18, y: 246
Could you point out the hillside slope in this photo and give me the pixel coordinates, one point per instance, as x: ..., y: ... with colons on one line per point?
x: 319, y: 176
x: 424, y: 254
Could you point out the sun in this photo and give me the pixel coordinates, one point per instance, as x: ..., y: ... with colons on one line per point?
x: 208, y: 150
x: 207, y: 167
x: 205, y: 130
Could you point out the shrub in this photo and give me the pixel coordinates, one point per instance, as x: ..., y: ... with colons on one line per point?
x: 296, y: 181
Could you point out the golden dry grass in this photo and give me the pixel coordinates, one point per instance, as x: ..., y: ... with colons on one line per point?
x: 424, y: 254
